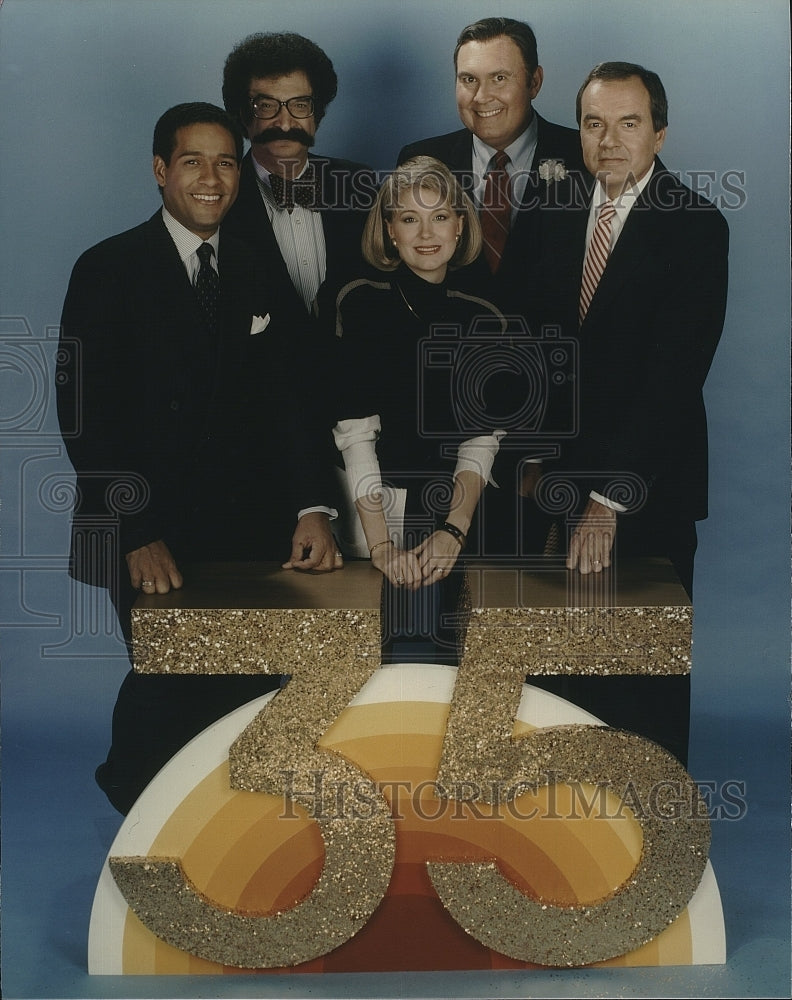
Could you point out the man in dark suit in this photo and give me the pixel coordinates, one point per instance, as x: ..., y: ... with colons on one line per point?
x: 515, y: 165
x: 637, y: 270
x: 302, y: 213
x: 497, y: 78
x: 191, y: 445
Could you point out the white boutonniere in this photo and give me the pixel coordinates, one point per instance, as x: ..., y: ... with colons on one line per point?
x: 259, y: 324
x: 552, y: 171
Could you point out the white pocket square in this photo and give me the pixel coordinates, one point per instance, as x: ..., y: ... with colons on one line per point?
x: 259, y: 324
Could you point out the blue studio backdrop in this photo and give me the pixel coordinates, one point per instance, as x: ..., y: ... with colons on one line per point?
x: 81, y: 84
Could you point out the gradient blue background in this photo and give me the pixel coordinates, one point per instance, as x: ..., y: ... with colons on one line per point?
x: 81, y: 85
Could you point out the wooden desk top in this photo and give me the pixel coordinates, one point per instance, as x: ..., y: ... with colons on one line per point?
x: 634, y: 583
x: 540, y: 618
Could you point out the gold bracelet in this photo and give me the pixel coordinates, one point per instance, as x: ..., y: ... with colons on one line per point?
x: 387, y: 541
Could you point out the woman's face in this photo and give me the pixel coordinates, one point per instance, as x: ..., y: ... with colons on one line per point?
x: 425, y: 231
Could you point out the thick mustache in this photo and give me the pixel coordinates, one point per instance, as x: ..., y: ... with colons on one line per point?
x: 279, y: 135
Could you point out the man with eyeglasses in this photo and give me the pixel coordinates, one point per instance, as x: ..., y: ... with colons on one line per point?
x: 302, y: 213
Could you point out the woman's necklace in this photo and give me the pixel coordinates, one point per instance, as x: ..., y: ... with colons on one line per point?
x: 406, y: 301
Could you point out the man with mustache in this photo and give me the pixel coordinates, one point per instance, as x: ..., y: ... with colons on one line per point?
x: 303, y: 214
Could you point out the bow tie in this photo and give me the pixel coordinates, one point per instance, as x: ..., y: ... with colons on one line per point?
x: 305, y: 191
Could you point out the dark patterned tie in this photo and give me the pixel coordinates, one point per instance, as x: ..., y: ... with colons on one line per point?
x: 305, y: 191
x: 207, y: 286
x: 496, y: 210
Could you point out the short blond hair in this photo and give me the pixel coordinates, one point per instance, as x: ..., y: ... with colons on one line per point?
x: 421, y: 172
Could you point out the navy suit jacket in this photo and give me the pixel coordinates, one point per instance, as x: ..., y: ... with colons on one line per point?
x: 183, y: 436
x: 645, y: 345
x: 348, y: 191
x: 511, y: 288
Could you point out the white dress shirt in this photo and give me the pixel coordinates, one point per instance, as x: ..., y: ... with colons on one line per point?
x: 300, y: 236
x: 187, y: 244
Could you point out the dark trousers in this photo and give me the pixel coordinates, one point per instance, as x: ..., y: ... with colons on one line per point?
x: 155, y: 715
x: 657, y: 708
x: 423, y: 626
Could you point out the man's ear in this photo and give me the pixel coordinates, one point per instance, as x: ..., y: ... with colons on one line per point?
x: 160, y: 169
x: 535, y: 83
x: 659, y: 140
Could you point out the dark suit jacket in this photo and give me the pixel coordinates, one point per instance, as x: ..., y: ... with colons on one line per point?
x: 646, y: 344
x: 183, y: 436
x: 511, y: 288
x: 348, y: 191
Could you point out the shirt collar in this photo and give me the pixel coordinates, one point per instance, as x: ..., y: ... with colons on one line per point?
x: 520, y: 152
x: 186, y: 241
x: 626, y: 199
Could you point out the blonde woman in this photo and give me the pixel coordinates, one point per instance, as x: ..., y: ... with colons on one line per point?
x: 415, y: 465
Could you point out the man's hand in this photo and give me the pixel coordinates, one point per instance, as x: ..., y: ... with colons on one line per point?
x: 590, y: 548
x: 152, y: 569
x: 313, y: 545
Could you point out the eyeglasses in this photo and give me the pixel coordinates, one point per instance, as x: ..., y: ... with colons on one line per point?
x: 268, y: 107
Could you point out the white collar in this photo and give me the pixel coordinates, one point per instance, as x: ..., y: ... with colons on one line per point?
x: 186, y: 241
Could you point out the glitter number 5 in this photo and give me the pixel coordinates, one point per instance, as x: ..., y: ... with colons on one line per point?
x: 479, y: 748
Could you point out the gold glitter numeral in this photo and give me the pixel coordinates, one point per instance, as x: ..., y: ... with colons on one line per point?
x: 479, y: 748
x: 357, y: 829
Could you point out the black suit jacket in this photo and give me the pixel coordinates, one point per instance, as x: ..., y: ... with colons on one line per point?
x: 348, y: 191
x: 183, y: 436
x: 512, y: 287
x: 645, y: 346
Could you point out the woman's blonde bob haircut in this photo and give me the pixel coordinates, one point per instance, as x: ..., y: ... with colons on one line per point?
x: 434, y: 185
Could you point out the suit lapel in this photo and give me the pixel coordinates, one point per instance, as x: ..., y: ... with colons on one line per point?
x: 632, y: 248
x: 460, y: 158
x: 252, y: 221
x: 168, y: 285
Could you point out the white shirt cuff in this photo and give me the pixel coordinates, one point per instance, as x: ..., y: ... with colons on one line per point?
x: 478, y: 455
x: 610, y: 504
x: 356, y: 439
x: 331, y: 512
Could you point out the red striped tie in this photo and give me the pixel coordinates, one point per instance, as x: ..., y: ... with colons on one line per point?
x: 496, y: 210
x: 596, y: 256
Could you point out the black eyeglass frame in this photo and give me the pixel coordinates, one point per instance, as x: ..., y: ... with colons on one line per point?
x: 282, y: 104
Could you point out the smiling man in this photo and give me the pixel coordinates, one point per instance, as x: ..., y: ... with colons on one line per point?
x: 191, y: 448
x: 302, y: 214
x: 499, y: 153
x: 516, y: 166
x: 637, y: 270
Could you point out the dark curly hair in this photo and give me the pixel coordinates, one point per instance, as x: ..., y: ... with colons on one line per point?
x: 270, y: 53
